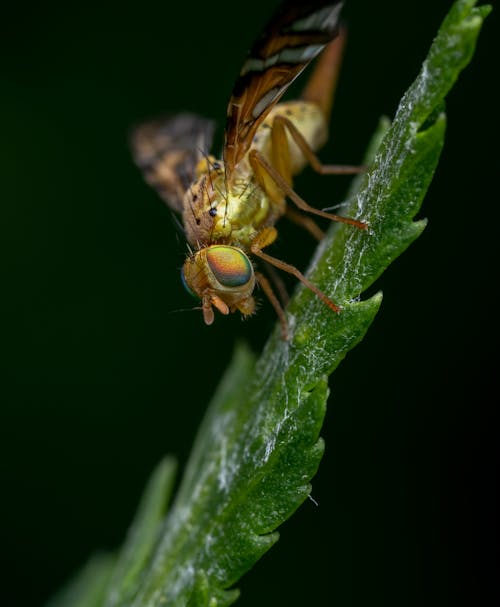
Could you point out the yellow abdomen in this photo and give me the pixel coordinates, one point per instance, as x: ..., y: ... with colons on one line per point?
x: 309, y: 121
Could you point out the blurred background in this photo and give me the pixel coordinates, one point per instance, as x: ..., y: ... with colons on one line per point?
x: 102, y: 375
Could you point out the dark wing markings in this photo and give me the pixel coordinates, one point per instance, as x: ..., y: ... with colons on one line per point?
x: 296, y: 34
x: 168, y: 150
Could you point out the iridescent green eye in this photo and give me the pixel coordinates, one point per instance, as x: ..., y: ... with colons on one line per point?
x: 230, y: 266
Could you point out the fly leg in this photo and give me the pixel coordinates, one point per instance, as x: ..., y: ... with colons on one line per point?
x: 274, y: 301
x: 266, y: 237
x: 282, y: 124
x: 277, y: 284
x: 274, y: 183
x: 305, y: 222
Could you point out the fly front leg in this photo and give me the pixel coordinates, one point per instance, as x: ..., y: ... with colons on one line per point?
x: 266, y: 237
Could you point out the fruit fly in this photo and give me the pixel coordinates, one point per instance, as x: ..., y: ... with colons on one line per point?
x: 229, y: 207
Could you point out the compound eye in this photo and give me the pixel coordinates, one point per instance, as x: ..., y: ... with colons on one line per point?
x: 186, y: 286
x: 230, y: 266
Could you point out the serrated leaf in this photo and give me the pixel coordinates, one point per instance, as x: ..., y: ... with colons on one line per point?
x: 259, y: 444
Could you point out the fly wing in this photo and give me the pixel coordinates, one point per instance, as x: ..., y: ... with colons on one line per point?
x: 167, y: 151
x: 296, y: 34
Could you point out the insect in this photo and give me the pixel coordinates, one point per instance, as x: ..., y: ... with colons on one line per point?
x: 230, y: 206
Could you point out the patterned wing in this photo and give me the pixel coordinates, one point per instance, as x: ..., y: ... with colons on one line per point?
x: 296, y: 34
x: 167, y: 151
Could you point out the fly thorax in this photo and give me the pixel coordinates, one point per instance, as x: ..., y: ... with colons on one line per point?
x: 246, y: 210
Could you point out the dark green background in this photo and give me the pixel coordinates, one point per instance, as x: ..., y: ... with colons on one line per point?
x: 101, y: 375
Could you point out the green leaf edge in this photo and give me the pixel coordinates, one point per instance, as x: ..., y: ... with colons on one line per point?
x: 89, y: 586
x: 107, y: 579
x: 142, y: 535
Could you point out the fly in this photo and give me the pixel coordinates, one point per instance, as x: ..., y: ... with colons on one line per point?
x: 230, y: 207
